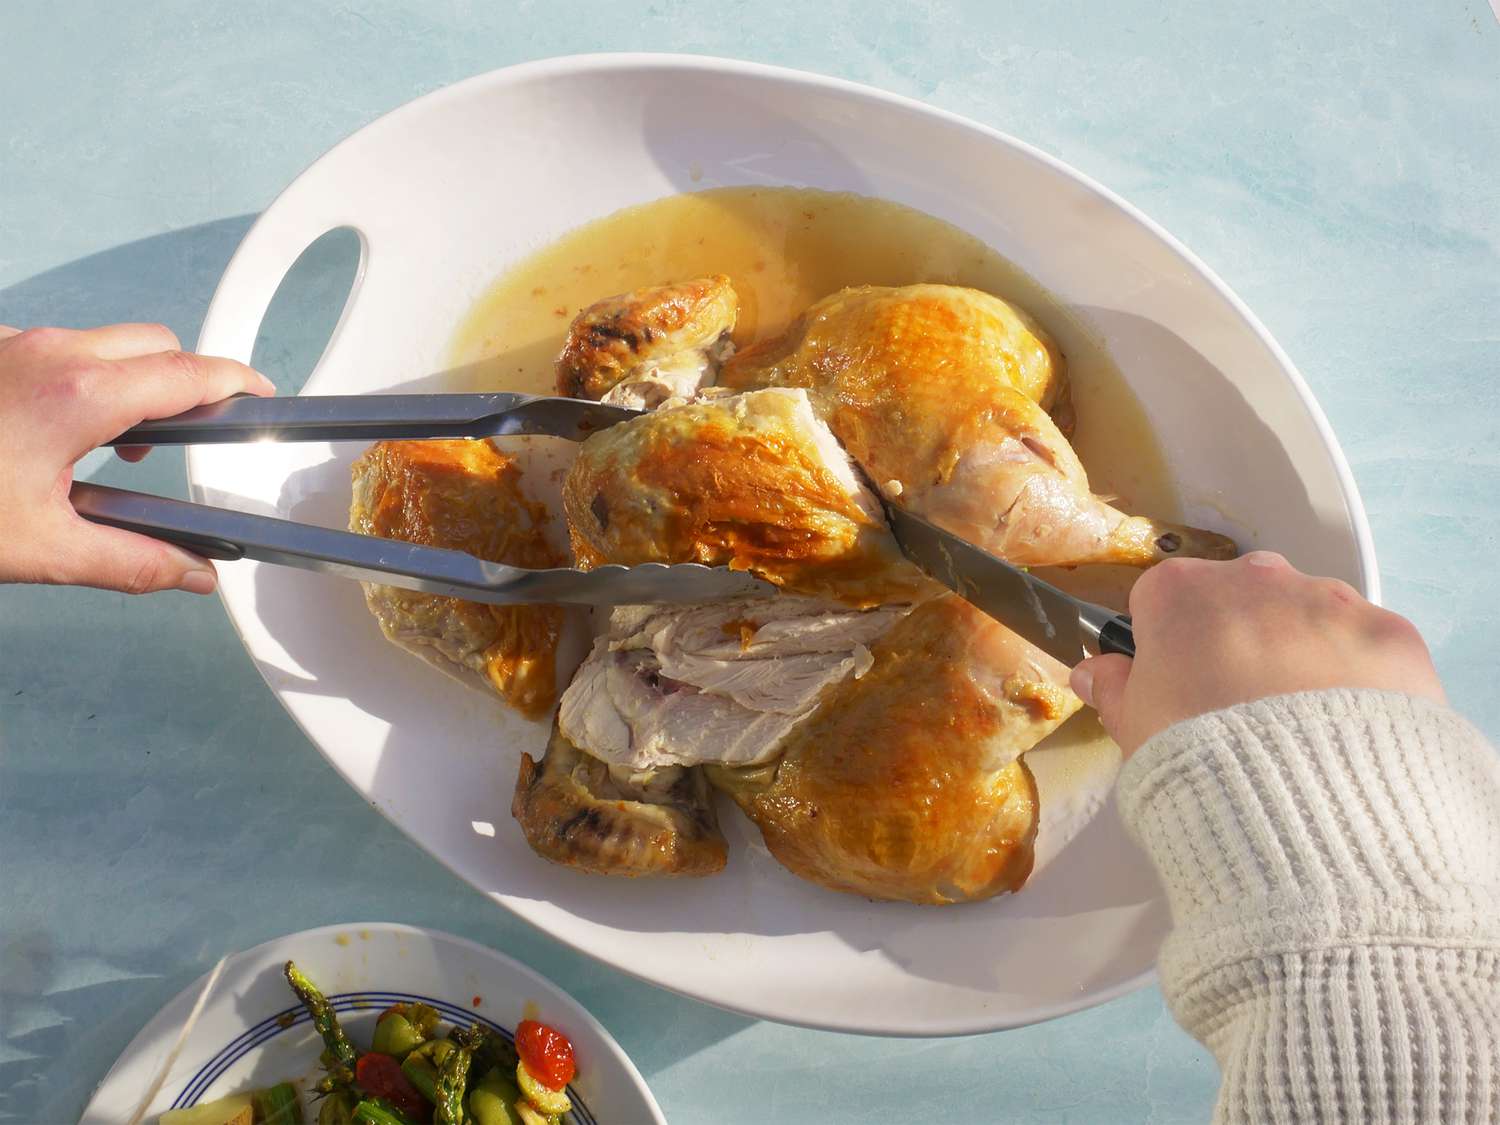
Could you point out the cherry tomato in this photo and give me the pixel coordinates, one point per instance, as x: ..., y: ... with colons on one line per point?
x: 546, y: 1053
x: 381, y: 1075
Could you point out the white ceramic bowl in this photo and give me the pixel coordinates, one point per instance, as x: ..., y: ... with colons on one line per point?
x: 447, y: 191
x: 252, y: 1033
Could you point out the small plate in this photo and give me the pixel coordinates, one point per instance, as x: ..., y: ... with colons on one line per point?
x: 253, y: 1033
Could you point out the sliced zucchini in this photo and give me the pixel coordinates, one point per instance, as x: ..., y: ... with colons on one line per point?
x: 494, y: 1102
x: 544, y: 1099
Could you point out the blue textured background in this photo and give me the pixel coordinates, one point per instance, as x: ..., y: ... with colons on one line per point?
x: 1338, y: 163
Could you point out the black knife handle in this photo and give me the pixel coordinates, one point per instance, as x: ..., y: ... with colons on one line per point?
x: 1117, y: 636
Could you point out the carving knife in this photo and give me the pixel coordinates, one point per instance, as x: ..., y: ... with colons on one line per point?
x: 1059, y: 624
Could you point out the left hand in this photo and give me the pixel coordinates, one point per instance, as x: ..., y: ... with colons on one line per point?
x: 64, y: 393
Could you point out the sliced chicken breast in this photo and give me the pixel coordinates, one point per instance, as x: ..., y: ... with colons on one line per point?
x: 720, y: 683
x: 752, y: 481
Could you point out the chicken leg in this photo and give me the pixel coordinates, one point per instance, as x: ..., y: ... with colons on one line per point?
x: 940, y: 394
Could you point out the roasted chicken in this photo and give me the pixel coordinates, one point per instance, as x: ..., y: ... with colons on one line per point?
x: 907, y: 782
x: 878, y: 751
x: 641, y: 348
x: 464, y: 495
x: 941, y: 395
x: 872, y: 727
x: 754, y: 481
x: 581, y: 813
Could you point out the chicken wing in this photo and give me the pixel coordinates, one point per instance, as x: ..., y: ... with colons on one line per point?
x: 907, y: 783
x: 577, y: 811
x: 941, y: 394
x: 755, y: 482
x: 464, y: 495
x: 641, y: 348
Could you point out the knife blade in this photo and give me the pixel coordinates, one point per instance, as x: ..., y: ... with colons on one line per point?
x: 1059, y: 624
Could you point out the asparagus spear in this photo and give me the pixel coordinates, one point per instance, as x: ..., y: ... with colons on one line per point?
x: 323, y: 1017
x: 277, y: 1105
x: 453, y: 1076
x: 375, y: 1111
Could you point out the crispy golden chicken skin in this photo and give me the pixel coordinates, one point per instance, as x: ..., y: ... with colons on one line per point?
x: 941, y: 394
x: 755, y: 482
x: 907, y: 783
x: 576, y: 811
x: 464, y: 495
x: 639, y: 348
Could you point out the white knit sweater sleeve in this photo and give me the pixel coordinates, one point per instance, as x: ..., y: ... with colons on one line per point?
x: 1332, y: 861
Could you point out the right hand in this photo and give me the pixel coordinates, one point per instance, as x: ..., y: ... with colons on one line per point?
x: 1212, y: 634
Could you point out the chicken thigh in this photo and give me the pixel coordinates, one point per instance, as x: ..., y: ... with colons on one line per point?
x: 907, y: 782
x: 941, y: 394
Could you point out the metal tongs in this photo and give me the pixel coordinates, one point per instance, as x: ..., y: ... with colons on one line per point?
x: 219, y: 533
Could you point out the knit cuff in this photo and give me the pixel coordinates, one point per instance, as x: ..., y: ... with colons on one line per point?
x: 1324, y: 817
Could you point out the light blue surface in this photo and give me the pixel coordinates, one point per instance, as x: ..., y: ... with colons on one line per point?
x: 1337, y: 163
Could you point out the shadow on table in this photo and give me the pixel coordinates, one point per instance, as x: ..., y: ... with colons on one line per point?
x: 169, y: 278
x: 53, y: 1004
x: 72, y: 995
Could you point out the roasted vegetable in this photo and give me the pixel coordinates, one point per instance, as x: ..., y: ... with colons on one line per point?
x: 421, y: 1074
x: 465, y: 1077
x: 236, y: 1109
x: 277, y: 1106
x: 422, y: 1064
x: 546, y: 1100
x: 547, y: 1053
x: 375, y: 1111
x: 395, y: 1035
x: 531, y: 1116
x: 453, y: 1078
x: 423, y: 1018
x: 337, y: 1108
x: 495, y: 1051
x: 492, y: 1100
x: 324, y: 1018
x: 380, y: 1076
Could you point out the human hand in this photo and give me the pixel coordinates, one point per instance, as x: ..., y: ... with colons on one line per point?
x: 62, y: 394
x: 1213, y: 634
